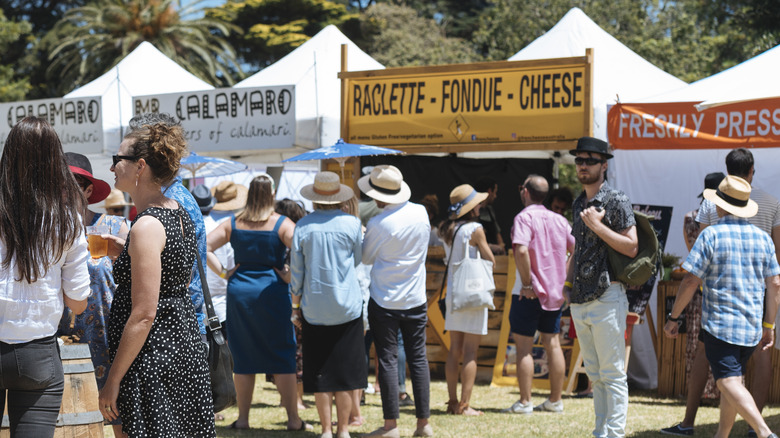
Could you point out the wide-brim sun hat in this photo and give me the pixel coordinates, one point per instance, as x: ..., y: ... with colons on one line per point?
x: 733, y: 195
x: 80, y: 165
x: 591, y: 144
x: 230, y: 196
x: 463, y: 199
x: 116, y: 199
x: 327, y: 189
x: 386, y: 184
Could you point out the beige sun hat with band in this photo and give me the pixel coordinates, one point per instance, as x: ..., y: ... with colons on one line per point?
x: 733, y: 195
x: 463, y: 199
x: 229, y: 195
x: 386, y: 184
x: 327, y: 189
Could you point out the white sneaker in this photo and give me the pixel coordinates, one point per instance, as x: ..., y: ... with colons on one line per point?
x: 369, y: 389
x: 549, y: 406
x: 519, y: 408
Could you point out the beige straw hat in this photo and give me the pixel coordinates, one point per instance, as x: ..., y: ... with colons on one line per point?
x: 733, y: 195
x: 463, y: 199
x: 385, y: 184
x: 327, y: 189
x: 230, y: 196
x: 116, y: 199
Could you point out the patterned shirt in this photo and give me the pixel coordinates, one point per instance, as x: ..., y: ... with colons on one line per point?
x: 591, y: 263
x: 733, y: 258
x: 178, y: 192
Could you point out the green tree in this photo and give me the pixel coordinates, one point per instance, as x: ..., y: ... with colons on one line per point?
x: 273, y: 28
x: 12, y: 88
x: 94, y: 38
x: 397, y: 36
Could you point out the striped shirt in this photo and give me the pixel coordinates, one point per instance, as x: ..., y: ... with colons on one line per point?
x: 768, y: 215
x: 733, y: 258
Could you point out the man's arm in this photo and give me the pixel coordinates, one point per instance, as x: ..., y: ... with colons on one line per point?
x: 624, y: 242
x: 687, y: 288
x: 776, y: 240
x: 772, y: 303
x: 523, y: 263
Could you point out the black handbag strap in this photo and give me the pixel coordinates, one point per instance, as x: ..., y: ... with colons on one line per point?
x: 212, y: 319
x: 447, y: 266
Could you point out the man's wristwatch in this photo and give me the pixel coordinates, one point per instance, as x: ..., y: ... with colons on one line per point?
x: 678, y: 319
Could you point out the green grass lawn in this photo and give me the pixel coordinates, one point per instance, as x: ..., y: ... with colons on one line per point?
x: 646, y: 414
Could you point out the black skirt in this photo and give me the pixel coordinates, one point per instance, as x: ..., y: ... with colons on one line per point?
x: 334, y: 357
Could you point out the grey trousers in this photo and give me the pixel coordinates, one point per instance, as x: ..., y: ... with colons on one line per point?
x: 384, y: 325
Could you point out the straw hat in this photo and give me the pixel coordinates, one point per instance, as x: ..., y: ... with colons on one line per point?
x: 463, y: 199
x: 733, y: 195
x: 386, y: 184
x: 327, y: 189
x: 230, y: 196
x: 80, y: 165
x: 116, y: 199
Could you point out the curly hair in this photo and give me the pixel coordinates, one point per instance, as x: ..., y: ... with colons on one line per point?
x: 162, y: 146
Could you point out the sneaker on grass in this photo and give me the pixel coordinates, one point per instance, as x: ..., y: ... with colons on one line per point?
x: 678, y: 430
x: 549, y: 406
x: 519, y: 408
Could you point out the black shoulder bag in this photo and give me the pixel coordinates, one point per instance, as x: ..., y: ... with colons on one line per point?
x: 223, y: 390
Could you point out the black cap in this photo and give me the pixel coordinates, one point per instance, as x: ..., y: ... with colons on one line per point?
x: 712, y: 181
x: 590, y: 144
x: 203, y: 197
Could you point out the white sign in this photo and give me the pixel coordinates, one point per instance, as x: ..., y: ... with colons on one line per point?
x: 78, y: 122
x: 228, y: 119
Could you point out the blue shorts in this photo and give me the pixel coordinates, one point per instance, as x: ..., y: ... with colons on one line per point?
x: 526, y: 316
x: 726, y: 360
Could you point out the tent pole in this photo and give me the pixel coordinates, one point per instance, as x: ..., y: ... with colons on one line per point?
x: 317, y: 103
x: 119, y: 103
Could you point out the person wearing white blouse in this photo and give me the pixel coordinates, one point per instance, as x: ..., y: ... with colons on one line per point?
x: 43, y: 252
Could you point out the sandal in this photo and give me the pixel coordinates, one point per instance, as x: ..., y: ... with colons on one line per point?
x: 452, y: 407
x: 464, y: 409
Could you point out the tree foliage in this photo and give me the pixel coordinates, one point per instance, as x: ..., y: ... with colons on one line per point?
x: 94, y: 38
x: 273, y: 28
x: 397, y: 36
x: 12, y: 88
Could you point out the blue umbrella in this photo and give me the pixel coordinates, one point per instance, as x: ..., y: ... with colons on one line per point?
x: 342, y: 151
x: 201, y: 166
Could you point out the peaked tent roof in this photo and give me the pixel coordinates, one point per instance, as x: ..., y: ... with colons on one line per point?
x: 313, y: 68
x: 755, y: 78
x: 144, y: 71
x: 618, y: 72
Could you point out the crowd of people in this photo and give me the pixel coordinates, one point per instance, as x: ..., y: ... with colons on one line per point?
x: 299, y: 294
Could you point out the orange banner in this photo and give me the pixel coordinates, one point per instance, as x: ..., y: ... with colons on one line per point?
x: 679, y: 125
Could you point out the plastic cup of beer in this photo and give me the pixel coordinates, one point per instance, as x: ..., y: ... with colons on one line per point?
x: 98, y: 246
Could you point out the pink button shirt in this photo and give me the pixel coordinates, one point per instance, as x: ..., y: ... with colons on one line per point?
x: 548, y: 237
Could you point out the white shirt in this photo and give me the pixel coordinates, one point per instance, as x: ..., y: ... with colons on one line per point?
x: 217, y: 284
x: 768, y: 215
x: 396, y: 244
x: 33, y: 311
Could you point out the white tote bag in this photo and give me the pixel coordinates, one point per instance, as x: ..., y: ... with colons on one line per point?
x: 472, y: 283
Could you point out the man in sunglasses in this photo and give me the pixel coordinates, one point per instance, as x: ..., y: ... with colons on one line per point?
x: 603, y: 217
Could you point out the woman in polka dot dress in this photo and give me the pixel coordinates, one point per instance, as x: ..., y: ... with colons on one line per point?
x: 159, y: 380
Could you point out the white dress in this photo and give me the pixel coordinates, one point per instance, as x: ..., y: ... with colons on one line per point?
x: 471, y: 320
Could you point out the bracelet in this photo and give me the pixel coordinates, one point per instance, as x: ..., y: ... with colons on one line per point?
x: 528, y: 287
x: 767, y: 325
x: 223, y: 274
x: 669, y: 317
x: 568, y: 284
x: 296, y: 306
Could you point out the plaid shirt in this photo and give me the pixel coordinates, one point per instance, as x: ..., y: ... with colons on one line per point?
x: 733, y: 258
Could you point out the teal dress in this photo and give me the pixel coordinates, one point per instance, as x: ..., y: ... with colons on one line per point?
x: 260, y: 333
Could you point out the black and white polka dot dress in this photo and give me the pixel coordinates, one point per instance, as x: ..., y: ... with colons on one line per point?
x: 167, y: 391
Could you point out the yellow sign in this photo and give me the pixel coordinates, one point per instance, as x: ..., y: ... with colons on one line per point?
x: 507, y: 102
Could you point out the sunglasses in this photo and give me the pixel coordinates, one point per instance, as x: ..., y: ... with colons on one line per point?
x: 117, y: 158
x: 590, y: 161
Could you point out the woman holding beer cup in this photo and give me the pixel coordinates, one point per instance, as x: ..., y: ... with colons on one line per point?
x: 43, y: 253
x: 159, y: 379
x: 91, y: 326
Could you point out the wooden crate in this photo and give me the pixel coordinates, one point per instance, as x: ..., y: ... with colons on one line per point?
x: 671, y: 352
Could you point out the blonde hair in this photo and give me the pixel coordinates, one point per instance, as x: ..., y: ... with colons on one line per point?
x: 351, y: 207
x: 259, y: 201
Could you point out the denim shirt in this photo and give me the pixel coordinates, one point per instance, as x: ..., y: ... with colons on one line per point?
x: 178, y: 192
x: 591, y: 262
x: 327, y: 246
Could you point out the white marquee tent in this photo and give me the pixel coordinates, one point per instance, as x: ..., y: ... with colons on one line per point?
x: 617, y: 70
x: 313, y: 68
